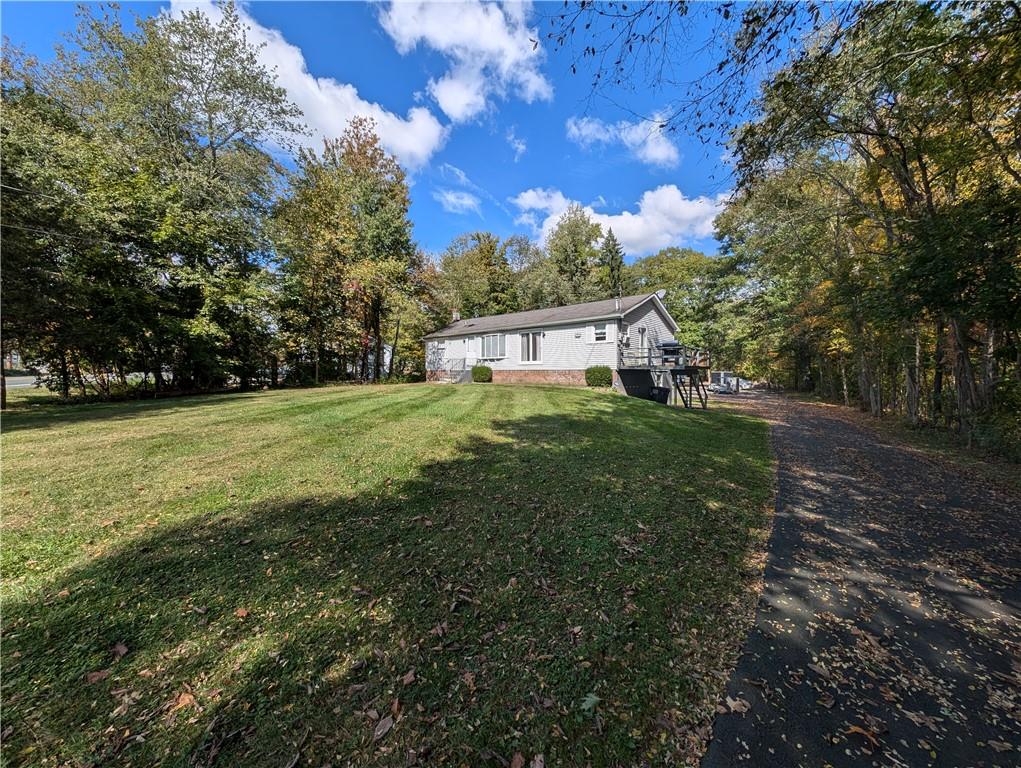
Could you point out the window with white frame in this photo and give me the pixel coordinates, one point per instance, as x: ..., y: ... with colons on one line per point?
x: 531, y: 347
x: 494, y: 346
x: 599, y: 332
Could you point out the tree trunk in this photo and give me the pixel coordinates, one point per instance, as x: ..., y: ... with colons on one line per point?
x: 274, y: 371
x: 912, y: 389
x: 315, y: 358
x: 65, y: 376
x: 377, y: 338
x: 937, y: 372
x: 77, y: 370
x: 3, y: 375
x: 989, y: 367
x: 157, y: 375
x: 864, y: 384
x: 964, y: 377
x: 393, y: 350
x: 843, y: 381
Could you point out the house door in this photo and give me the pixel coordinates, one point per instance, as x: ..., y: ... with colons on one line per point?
x: 642, y: 344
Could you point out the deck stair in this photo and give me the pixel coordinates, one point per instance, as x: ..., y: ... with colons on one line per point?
x: 688, y: 383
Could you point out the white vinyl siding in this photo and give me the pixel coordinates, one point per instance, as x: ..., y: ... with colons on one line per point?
x: 531, y: 347
x: 564, y: 348
x: 649, y: 317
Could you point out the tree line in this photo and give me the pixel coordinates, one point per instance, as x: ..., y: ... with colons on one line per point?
x: 873, y: 241
x: 878, y: 216
x: 163, y: 232
x: 158, y: 220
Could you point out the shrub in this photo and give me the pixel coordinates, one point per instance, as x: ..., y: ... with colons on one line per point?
x: 482, y: 373
x: 599, y: 376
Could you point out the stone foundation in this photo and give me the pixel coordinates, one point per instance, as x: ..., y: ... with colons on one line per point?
x: 573, y: 378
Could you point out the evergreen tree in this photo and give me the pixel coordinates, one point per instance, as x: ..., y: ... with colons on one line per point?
x: 612, y: 258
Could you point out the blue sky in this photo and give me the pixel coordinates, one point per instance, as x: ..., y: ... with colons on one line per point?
x: 496, y: 133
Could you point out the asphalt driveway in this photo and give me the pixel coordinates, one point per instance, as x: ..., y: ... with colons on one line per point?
x: 889, y: 628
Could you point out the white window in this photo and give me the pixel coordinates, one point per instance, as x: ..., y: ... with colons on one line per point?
x: 599, y: 332
x: 531, y: 347
x: 494, y: 346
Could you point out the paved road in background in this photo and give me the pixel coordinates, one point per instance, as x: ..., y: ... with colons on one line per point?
x: 889, y: 628
x: 16, y: 382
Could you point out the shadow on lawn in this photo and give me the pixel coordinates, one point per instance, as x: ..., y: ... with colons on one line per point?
x: 483, y: 604
x: 55, y: 413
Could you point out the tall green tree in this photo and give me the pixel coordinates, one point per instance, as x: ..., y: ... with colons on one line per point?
x: 612, y: 261
x: 476, y: 277
x: 383, y: 252
x: 572, y: 250
x: 346, y: 255
x: 159, y: 186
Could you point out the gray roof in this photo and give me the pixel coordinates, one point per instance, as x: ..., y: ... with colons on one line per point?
x: 591, y: 310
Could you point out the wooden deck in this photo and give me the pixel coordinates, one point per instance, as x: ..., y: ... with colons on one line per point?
x: 686, y: 367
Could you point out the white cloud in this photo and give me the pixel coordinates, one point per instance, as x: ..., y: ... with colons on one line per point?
x: 517, y: 144
x: 448, y: 170
x: 664, y: 217
x: 461, y: 93
x: 646, y: 139
x: 551, y: 201
x: 328, y: 104
x: 490, y: 47
x: 457, y: 200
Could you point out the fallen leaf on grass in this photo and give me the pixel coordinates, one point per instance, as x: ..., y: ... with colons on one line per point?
x: 119, y: 651
x: 919, y: 718
x: 439, y: 630
x: 590, y: 702
x: 819, y: 669
x: 383, y: 728
x: 1001, y: 746
x: 538, y: 762
x: 184, y: 699
x: 241, y: 613
x: 864, y: 732
x: 518, y: 761
x: 409, y: 677
x: 95, y: 677
x: 738, y: 705
x: 826, y: 700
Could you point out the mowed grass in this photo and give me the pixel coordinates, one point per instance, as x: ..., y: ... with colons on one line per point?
x: 418, y: 574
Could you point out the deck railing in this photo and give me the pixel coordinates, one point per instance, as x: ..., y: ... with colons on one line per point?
x: 663, y: 357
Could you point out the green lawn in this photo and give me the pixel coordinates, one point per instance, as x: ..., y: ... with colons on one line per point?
x: 374, y: 575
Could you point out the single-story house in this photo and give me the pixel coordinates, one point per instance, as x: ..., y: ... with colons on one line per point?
x: 556, y: 345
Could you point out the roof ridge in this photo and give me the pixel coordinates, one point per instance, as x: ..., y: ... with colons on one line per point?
x: 565, y: 306
x: 564, y: 313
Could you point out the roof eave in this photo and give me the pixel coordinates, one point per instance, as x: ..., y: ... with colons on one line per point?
x: 441, y: 334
